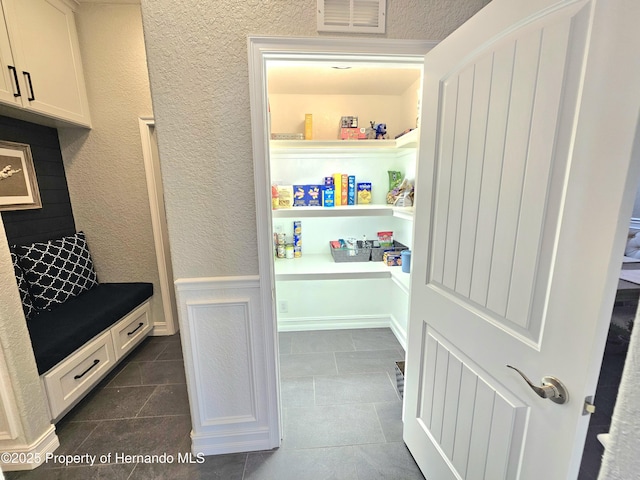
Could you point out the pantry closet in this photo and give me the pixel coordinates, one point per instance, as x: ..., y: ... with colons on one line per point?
x: 314, y: 292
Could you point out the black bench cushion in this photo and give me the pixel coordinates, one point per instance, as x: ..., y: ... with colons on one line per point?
x: 57, y: 333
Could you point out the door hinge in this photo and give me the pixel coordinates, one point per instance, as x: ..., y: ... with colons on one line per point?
x: 589, y: 406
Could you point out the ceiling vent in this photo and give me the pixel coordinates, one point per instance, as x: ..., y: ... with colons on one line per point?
x: 356, y: 16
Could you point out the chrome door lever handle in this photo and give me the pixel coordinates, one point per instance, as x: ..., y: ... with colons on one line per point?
x: 551, y: 388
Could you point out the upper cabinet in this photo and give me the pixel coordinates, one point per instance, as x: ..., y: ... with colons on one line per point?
x: 40, y: 61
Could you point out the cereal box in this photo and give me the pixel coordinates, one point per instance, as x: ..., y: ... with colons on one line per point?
x: 364, y: 193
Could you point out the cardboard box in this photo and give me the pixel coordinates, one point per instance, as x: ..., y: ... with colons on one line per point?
x: 352, y: 134
x: 328, y: 196
x: 308, y: 126
x: 351, y: 194
x: 307, y: 195
x: 337, y: 185
x: 364, y: 193
x: 344, y: 191
x: 392, y: 259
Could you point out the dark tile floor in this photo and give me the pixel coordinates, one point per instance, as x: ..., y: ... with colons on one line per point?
x: 606, y: 394
x: 341, y: 416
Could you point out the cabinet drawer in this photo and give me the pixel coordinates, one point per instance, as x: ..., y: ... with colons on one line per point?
x: 69, y: 380
x: 130, y: 331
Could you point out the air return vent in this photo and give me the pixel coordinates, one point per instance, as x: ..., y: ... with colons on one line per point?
x: 357, y: 16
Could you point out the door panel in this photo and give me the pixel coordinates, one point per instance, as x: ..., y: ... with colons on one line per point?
x: 515, y: 154
x: 478, y: 424
x: 492, y: 173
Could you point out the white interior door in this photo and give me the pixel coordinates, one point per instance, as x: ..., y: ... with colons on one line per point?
x: 524, y: 191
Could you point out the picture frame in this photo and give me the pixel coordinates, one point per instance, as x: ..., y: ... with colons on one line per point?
x: 18, y: 183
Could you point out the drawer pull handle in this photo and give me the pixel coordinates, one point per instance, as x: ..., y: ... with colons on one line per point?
x: 15, y: 78
x: 95, y: 362
x: 135, y: 329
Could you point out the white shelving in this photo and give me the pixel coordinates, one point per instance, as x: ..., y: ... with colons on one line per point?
x: 408, y: 140
x: 345, y: 211
x: 322, y: 267
x: 315, y: 292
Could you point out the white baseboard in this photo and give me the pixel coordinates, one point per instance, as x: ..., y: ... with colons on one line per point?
x: 231, y: 442
x: 303, y: 324
x: 300, y: 324
x: 400, y: 331
x: 162, y: 329
x: 34, y: 454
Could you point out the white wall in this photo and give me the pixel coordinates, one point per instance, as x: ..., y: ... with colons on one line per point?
x: 104, y: 166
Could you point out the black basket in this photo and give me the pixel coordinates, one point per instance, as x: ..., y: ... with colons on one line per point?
x: 377, y: 252
x: 360, y: 254
x: 399, y: 368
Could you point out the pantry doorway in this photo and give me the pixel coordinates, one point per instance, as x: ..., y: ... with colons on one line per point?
x: 314, y: 293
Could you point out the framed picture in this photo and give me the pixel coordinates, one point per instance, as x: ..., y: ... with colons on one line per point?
x: 18, y: 184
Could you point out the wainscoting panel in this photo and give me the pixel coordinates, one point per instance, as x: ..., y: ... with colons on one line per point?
x: 228, y: 363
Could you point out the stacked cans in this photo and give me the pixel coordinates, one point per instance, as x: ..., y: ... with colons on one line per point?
x: 297, y: 239
x: 280, y: 244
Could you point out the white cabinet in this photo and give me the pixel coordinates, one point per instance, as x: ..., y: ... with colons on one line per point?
x: 40, y: 61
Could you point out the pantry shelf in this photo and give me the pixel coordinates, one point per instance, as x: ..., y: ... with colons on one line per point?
x: 345, y: 211
x: 322, y: 267
x: 408, y: 140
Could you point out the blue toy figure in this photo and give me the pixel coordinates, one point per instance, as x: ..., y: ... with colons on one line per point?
x: 377, y: 131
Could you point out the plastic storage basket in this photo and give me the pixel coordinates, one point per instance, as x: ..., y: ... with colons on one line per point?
x: 360, y: 254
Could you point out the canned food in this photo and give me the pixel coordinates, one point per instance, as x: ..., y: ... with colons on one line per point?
x: 288, y: 250
x: 280, y: 251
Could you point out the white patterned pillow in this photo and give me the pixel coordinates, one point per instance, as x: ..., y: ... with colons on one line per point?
x: 57, y: 270
x: 23, y: 287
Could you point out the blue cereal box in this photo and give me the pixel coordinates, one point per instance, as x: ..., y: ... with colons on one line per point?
x: 364, y: 193
x: 328, y: 197
x: 307, y: 195
x: 351, y: 194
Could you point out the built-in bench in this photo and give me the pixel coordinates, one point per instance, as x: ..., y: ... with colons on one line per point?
x: 92, y: 333
x: 79, y: 328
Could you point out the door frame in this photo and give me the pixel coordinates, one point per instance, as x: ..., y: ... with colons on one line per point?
x: 160, y: 233
x: 261, y: 49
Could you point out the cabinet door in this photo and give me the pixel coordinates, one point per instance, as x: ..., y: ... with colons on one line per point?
x: 45, y: 47
x: 8, y: 84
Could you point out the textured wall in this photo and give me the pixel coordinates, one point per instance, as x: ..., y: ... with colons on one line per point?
x: 197, y: 53
x: 104, y: 166
x: 18, y: 356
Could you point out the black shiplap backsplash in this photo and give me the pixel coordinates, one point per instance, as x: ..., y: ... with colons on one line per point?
x: 55, y: 218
